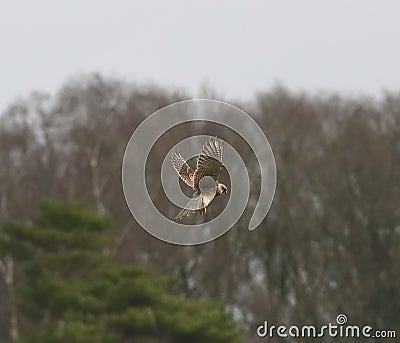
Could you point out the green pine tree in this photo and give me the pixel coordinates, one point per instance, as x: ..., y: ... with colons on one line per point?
x: 73, y: 292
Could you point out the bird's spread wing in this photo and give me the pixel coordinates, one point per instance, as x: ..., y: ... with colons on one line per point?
x: 182, y: 168
x: 209, y: 162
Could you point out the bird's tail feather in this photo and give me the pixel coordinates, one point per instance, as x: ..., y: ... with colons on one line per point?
x: 193, y: 205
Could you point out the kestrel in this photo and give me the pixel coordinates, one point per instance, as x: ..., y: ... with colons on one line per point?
x: 204, y: 180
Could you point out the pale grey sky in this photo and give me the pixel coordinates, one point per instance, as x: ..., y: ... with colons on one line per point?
x: 238, y: 47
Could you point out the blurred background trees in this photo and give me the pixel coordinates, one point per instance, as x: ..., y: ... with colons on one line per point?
x: 330, y: 243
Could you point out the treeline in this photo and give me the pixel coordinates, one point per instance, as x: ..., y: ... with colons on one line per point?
x: 330, y: 243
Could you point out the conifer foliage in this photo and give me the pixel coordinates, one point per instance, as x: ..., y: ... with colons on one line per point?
x: 72, y: 291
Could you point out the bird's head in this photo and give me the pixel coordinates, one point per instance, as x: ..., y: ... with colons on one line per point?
x: 221, y: 189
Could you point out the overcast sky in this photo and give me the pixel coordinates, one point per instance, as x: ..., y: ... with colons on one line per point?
x: 237, y: 47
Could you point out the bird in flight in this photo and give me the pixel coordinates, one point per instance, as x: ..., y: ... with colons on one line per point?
x: 204, y: 179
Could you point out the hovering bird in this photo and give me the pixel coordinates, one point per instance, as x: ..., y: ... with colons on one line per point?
x: 204, y: 180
